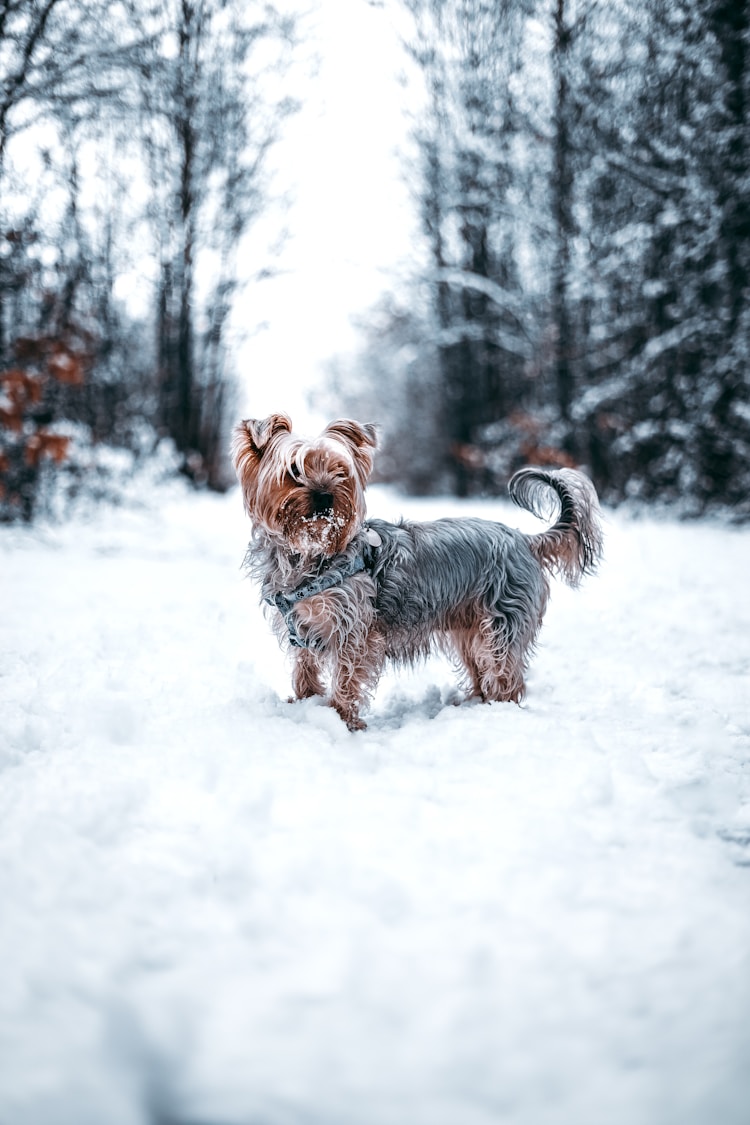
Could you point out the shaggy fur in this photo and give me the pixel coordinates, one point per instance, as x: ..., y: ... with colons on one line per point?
x: 473, y: 589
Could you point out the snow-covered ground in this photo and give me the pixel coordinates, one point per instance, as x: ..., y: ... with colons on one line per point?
x: 220, y: 909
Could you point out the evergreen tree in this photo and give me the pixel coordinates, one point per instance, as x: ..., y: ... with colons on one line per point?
x: 660, y: 410
x: 469, y: 54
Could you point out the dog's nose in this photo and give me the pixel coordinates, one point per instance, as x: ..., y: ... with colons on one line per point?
x: 322, y: 503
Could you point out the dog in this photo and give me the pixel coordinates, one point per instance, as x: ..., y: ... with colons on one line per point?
x: 346, y: 593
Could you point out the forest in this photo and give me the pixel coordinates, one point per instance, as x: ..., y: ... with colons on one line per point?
x: 580, y: 294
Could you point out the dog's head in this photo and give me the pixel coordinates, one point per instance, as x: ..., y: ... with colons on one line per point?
x: 308, y: 494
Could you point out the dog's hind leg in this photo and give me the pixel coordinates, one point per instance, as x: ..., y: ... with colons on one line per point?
x: 464, y: 645
x: 495, y: 664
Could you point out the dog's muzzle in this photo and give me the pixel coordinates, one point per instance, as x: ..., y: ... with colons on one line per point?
x: 322, y: 503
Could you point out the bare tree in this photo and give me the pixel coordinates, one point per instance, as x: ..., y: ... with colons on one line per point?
x: 186, y: 96
x: 212, y: 107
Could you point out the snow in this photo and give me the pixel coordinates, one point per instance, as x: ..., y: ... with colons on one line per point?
x: 222, y: 909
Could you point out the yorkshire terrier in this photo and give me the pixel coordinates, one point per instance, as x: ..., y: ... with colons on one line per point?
x: 346, y: 593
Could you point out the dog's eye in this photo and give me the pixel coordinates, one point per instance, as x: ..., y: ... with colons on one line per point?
x: 295, y: 473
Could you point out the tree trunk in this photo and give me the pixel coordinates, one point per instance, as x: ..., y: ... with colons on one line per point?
x: 562, y: 210
x: 730, y: 21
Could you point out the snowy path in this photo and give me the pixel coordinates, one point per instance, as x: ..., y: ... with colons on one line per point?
x: 217, y: 909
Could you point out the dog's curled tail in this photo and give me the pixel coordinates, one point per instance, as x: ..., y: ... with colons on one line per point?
x: 572, y: 547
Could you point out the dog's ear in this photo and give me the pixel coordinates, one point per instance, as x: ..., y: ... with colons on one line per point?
x: 255, y: 433
x: 249, y: 441
x: 361, y: 439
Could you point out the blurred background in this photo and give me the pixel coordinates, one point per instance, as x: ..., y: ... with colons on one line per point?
x: 508, y: 231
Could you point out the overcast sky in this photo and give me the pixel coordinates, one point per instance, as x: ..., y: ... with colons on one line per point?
x: 350, y: 222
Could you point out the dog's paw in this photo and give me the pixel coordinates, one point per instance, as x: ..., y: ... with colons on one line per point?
x: 349, y: 715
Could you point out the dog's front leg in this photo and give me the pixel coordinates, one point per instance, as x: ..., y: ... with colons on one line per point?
x: 336, y: 627
x: 307, y: 680
x: 355, y: 670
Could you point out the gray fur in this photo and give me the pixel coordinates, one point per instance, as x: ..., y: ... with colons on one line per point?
x: 430, y: 576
